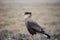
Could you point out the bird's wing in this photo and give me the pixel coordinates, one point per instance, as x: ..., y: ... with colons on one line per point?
x: 35, y: 26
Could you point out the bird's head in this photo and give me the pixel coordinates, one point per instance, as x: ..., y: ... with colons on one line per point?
x: 27, y: 15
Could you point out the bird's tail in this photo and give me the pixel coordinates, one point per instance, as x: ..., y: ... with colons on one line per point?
x: 47, y: 35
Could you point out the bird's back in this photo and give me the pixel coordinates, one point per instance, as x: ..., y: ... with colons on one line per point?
x: 33, y: 25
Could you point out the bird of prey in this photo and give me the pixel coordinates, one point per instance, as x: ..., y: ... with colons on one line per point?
x: 32, y: 26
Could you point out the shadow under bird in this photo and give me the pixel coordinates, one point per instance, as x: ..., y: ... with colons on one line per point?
x: 32, y: 26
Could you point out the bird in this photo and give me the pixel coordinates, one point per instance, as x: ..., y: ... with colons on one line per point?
x: 32, y: 26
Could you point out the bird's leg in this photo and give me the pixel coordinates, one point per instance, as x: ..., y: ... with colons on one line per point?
x: 30, y: 36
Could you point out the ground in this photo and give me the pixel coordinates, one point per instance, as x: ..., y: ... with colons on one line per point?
x: 47, y: 16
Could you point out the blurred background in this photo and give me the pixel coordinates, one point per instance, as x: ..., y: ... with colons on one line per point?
x: 45, y: 12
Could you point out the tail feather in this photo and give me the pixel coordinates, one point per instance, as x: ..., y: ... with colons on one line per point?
x: 43, y: 32
x: 48, y: 36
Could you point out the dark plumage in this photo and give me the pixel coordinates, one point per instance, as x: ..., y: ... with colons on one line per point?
x: 33, y: 27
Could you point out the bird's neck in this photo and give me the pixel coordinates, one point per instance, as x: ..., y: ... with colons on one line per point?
x: 29, y: 18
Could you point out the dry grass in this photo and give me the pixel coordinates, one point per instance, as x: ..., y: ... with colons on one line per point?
x: 48, y: 16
